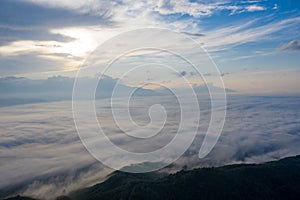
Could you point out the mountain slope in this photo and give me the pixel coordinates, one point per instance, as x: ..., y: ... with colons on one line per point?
x: 272, y: 180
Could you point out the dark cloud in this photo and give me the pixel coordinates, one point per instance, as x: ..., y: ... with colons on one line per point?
x: 8, y: 35
x: 291, y: 46
x: 193, y: 34
x: 182, y: 73
x: 23, y: 14
x: 225, y: 74
x: 21, y: 20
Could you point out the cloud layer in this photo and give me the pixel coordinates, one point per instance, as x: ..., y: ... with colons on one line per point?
x: 41, y: 152
x: 50, y: 36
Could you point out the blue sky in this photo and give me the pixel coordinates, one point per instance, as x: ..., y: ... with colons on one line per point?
x: 256, y: 44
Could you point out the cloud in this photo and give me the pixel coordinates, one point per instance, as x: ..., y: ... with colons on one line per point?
x: 198, y: 9
x: 164, y: 7
x: 42, y: 155
x: 255, y: 137
x: 11, y: 34
x: 31, y: 63
x: 46, y: 55
x: 225, y: 74
x: 34, y: 33
x: 94, y: 7
x: 34, y: 22
x: 36, y: 45
x: 193, y: 34
x: 45, y: 151
x: 48, y: 28
x: 63, y: 183
x: 184, y: 7
x: 251, y: 31
x: 291, y: 46
x: 253, y: 8
x: 33, y: 16
x: 182, y: 73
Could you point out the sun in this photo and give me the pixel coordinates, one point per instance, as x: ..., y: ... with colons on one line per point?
x: 83, y: 41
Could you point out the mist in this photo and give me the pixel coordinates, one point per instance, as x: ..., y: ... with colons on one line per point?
x: 42, y: 155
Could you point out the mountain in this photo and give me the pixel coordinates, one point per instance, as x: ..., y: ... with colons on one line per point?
x: 272, y: 180
x: 20, y: 90
x: 204, y: 88
x: 20, y: 198
x: 200, y: 90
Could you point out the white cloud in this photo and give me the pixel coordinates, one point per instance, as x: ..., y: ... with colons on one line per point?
x: 129, y: 15
x: 253, y: 8
x: 184, y: 7
x: 40, y: 140
x: 223, y: 38
x: 129, y: 9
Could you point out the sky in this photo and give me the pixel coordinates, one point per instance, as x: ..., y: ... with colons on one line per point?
x: 255, y: 44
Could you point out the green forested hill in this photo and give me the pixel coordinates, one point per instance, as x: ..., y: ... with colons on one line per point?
x: 272, y: 180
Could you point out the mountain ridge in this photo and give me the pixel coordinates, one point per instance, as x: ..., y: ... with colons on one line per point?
x: 272, y: 180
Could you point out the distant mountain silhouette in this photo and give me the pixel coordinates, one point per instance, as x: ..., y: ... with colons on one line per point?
x: 203, y: 88
x: 20, y: 90
x: 199, y: 90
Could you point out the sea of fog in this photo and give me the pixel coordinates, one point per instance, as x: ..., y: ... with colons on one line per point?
x: 42, y: 155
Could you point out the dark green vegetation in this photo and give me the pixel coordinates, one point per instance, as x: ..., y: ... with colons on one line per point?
x: 272, y: 180
x: 20, y: 198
